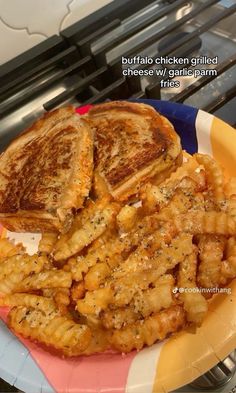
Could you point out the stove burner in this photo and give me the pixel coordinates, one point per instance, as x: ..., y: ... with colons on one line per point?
x: 73, y: 68
x: 217, y: 376
x: 194, y: 45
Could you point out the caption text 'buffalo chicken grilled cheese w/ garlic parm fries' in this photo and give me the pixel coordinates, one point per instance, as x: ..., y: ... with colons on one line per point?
x: 148, y: 219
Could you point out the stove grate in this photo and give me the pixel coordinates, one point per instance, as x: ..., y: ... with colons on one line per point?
x: 78, y: 68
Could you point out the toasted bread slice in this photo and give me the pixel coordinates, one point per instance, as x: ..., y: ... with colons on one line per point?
x: 46, y: 172
x: 133, y: 145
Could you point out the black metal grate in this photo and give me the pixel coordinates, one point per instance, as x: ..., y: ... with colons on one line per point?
x: 169, y: 29
x: 36, y: 85
x: 194, y: 87
x: 89, y: 76
x: 220, y: 101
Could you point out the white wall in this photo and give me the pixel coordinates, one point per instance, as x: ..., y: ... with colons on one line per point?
x: 25, y: 23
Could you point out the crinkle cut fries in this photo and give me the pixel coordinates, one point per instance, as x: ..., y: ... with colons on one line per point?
x: 109, y: 282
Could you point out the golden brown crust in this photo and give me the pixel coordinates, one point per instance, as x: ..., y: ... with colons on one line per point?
x: 30, y: 224
x: 131, y: 139
x: 80, y: 180
x: 131, y: 107
x: 47, y: 169
x: 53, y: 117
x: 155, y: 173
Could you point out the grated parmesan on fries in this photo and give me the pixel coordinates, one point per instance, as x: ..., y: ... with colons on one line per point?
x: 109, y: 283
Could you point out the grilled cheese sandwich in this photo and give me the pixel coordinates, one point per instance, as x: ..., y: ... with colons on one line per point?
x: 134, y: 144
x: 46, y: 173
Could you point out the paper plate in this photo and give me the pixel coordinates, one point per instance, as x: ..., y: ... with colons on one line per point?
x: 164, y: 366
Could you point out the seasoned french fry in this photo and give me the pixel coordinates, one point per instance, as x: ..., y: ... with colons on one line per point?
x: 186, y: 169
x: 47, y: 242
x: 218, y: 223
x: 194, y: 303
x: 230, y: 187
x: 144, y: 303
x: 53, y: 330
x: 95, y: 301
x: 158, y: 252
x: 109, y: 250
x: 45, y: 279
x: 30, y: 301
x: 149, y: 330
x: 99, y: 189
x: 96, y: 276
x: 108, y: 282
x: 9, y: 249
x: 192, y: 185
x: 179, y: 204
x: 91, y: 230
x: 231, y: 206
x: 99, y: 342
x: 132, y: 279
x: 77, y: 291
x: 230, y: 191
x: 231, y: 247
x: 155, y: 197
x: 228, y: 267
x: 154, y: 299
x: 112, y: 250
x: 10, y: 282
x: 228, y: 270
x: 119, y: 317
x: 62, y: 299
x: 186, y: 198
x: 127, y: 217
x: 24, y: 264
x: 214, y: 176
x: 79, y: 220
x: 48, y: 292
x: 211, y: 249
x: 198, y: 203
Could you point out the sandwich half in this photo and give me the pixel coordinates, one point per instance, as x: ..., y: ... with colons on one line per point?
x: 46, y: 173
x: 134, y: 144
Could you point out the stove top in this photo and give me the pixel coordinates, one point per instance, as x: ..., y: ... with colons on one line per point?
x: 83, y: 66
x: 220, y: 379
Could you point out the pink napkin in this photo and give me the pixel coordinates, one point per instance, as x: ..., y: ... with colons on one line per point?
x: 106, y: 372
